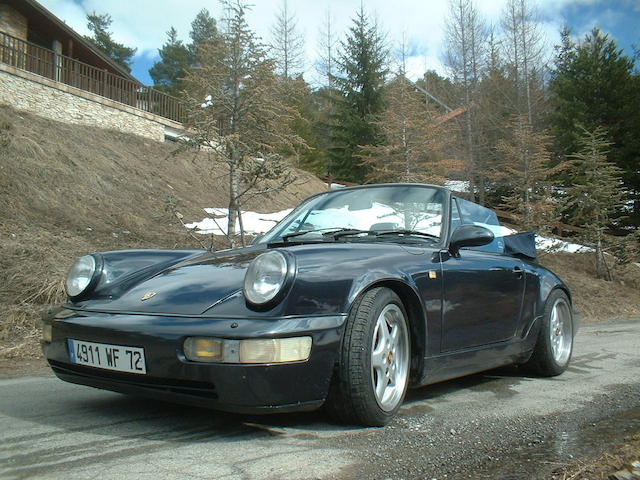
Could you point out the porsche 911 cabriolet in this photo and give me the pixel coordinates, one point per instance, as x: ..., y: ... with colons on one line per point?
x: 355, y: 296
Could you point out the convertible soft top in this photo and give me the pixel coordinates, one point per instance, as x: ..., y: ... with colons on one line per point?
x: 521, y: 244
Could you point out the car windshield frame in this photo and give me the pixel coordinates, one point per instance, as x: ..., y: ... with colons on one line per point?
x: 323, y: 234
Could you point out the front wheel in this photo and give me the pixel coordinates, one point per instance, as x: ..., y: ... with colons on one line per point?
x: 372, y: 372
x: 554, y: 346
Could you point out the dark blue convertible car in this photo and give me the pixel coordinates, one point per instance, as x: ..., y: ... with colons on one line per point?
x: 355, y: 296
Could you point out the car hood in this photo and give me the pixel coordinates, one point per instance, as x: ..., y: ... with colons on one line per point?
x: 188, y: 288
x: 212, y: 283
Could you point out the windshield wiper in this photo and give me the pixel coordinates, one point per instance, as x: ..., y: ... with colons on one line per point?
x: 337, y: 233
x: 416, y: 233
x: 347, y: 232
x: 325, y: 231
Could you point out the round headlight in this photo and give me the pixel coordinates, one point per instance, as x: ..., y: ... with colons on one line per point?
x: 265, y: 277
x: 80, y: 275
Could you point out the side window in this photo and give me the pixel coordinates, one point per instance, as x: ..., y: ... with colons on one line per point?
x: 475, y: 214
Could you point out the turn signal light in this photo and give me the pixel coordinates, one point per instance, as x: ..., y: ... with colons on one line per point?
x: 250, y: 351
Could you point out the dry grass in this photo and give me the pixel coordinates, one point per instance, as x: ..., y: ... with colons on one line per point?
x: 67, y: 190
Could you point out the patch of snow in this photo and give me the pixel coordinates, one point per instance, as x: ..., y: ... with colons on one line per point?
x: 555, y: 245
x: 254, y: 223
x: 461, y: 186
x: 497, y: 230
x: 207, y: 102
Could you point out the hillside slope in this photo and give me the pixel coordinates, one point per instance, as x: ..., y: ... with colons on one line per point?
x: 66, y: 190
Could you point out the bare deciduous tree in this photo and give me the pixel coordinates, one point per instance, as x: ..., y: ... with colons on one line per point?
x: 524, y: 54
x: 236, y: 111
x: 465, y: 38
x: 287, y: 43
x: 412, y: 137
x: 327, y: 47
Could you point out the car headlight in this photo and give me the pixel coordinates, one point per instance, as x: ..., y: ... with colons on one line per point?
x: 81, y: 276
x: 266, y: 277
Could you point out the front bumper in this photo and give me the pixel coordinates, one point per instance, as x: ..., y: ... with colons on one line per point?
x: 170, y: 376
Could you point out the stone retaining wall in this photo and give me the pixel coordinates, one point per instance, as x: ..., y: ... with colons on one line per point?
x: 26, y: 91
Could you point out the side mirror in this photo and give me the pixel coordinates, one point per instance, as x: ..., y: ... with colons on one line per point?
x: 469, y: 236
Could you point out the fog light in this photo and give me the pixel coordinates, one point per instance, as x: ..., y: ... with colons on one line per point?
x: 260, y: 350
x: 47, y: 332
x: 275, y: 350
x: 202, y: 349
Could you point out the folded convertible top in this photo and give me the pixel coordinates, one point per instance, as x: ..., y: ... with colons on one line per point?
x: 521, y: 244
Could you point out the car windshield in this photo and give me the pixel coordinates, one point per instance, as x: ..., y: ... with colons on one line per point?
x: 384, y: 212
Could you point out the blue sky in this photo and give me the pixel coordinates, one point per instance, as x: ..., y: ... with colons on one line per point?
x: 143, y: 23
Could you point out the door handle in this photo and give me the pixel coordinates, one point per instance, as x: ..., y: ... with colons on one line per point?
x: 518, y: 271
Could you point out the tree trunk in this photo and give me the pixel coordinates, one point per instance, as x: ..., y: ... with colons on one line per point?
x: 234, y: 191
x: 602, y: 270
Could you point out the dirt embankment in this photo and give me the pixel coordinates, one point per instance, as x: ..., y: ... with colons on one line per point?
x: 598, y: 300
x: 66, y: 190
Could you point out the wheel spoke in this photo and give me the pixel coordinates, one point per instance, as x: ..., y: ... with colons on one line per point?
x: 381, y: 385
x: 395, y: 332
x: 392, y: 374
x: 382, y: 329
x: 389, y: 357
x: 378, y: 359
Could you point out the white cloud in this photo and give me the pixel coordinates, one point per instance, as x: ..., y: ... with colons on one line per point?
x: 144, y: 23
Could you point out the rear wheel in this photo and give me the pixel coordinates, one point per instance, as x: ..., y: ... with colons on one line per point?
x: 554, y: 346
x: 372, y: 372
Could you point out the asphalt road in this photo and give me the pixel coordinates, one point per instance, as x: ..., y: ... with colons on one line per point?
x: 497, y: 425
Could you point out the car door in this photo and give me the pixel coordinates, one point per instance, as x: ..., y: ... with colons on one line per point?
x: 482, y: 287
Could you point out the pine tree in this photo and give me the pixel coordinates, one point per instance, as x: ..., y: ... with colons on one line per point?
x: 493, y: 121
x: 168, y: 72
x: 593, y: 85
x: 101, y: 38
x: 525, y: 170
x: 594, y: 194
x: 442, y: 88
x: 363, y: 67
x: 204, y: 30
x: 235, y: 109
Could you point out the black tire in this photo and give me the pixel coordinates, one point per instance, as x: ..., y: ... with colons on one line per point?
x: 554, y: 346
x: 352, y: 396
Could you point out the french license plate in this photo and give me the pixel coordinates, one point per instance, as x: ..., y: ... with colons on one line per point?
x: 110, y: 357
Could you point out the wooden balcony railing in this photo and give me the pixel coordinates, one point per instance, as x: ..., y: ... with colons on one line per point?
x: 41, y: 61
